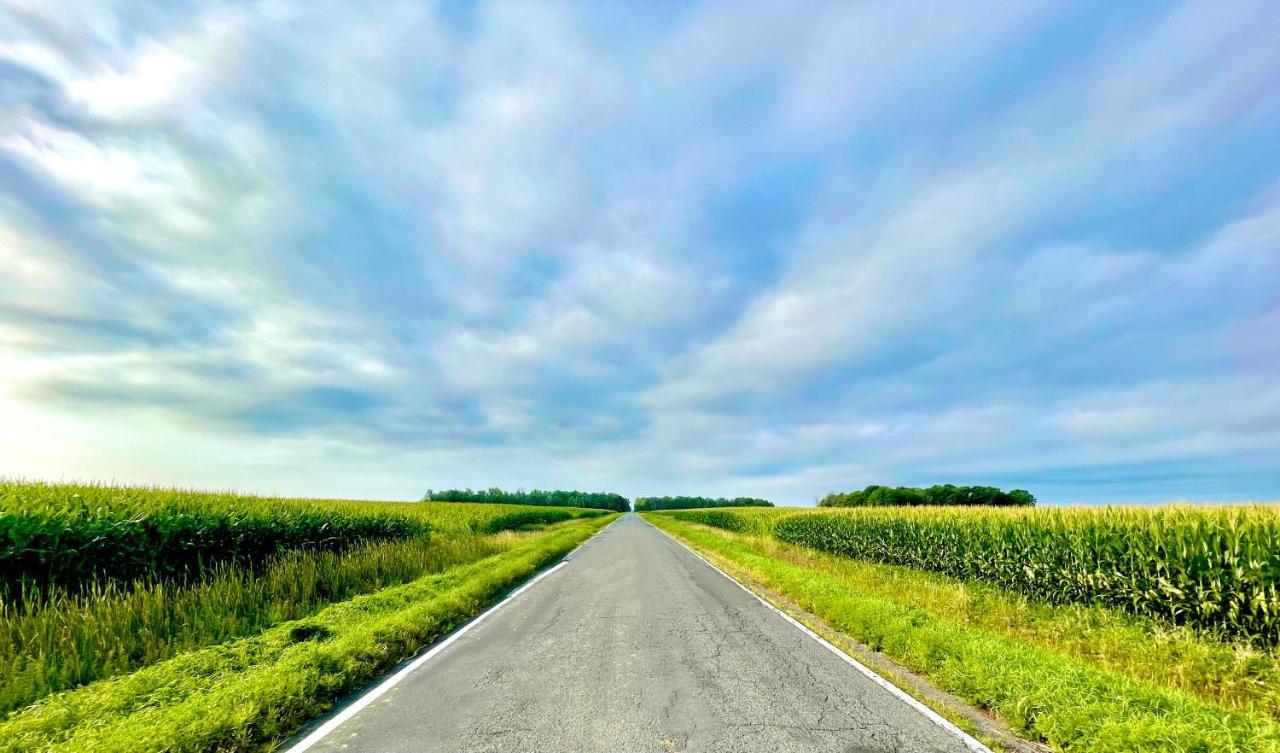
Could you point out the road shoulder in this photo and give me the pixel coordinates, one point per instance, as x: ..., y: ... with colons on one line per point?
x: 986, y: 728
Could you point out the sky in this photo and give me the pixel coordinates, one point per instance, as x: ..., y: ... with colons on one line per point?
x: 728, y: 248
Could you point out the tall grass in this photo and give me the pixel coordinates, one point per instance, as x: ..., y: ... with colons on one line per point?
x: 108, y: 629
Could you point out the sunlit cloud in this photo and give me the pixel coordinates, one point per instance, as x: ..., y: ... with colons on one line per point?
x: 717, y: 249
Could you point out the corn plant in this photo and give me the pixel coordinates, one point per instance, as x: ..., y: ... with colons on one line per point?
x: 69, y: 536
x: 1217, y: 569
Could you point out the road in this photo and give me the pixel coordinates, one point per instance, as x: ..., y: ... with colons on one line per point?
x: 636, y: 645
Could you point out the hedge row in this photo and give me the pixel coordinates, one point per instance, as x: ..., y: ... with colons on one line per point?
x: 650, y: 504
x: 939, y: 495
x: 558, y: 498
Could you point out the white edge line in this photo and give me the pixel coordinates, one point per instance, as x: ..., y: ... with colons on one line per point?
x: 374, y: 693
x: 969, y: 741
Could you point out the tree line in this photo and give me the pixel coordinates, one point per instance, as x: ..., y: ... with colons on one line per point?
x: 556, y: 498
x: 684, y: 503
x: 942, y: 494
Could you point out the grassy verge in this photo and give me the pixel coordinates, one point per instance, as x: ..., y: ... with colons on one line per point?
x: 250, y: 692
x: 1075, y: 677
x: 74, y: 639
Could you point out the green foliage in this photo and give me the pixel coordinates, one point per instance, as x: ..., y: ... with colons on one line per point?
x: 943, y: 494
x: 558, y: 498
x: 651, y: 504
x: 1012, y: 661
x: 1215, y: 569
x: 253, y: 692
x: 67, y: 536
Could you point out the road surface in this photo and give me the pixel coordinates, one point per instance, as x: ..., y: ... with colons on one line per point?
x: 636, y: 645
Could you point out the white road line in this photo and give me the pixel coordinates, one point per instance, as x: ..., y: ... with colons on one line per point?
x: 933, y: 716
x: 374, y: 693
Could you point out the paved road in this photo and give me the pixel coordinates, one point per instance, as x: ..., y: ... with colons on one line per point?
x: 635, y: 646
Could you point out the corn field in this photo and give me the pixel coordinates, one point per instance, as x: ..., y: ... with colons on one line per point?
x: 55, y: 536
x: 68, y: 640
x: 101, y: 580
x: 1212, y: 568
x: 65, y: 537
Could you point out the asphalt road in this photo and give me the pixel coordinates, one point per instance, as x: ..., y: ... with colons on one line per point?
x: 636, y: 645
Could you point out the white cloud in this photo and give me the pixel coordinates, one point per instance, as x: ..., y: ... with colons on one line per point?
x: 854, y: 288
x: 321, y: 249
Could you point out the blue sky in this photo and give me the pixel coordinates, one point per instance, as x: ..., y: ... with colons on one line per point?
x: 725, y: 248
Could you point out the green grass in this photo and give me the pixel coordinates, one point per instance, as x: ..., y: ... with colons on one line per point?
x: 250, y: 692
x: 1081, y: 678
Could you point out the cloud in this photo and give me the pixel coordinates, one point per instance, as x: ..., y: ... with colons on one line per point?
x: 725, y: 250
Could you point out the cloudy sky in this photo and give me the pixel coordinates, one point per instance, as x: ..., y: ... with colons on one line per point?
x: 770, y: 249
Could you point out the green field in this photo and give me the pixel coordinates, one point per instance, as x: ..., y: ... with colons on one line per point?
x: 139, y: 619
x: 156, y: 619
x: 1016, y: 611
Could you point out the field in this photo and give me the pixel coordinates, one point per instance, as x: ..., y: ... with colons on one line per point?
x: 155, y: 619
x: 136, y: 619
x: 1087, y: 629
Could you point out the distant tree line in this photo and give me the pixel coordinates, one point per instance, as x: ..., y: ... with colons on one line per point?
x: 685, y: 503
x: 944, y: 494
x: 557, y: 498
